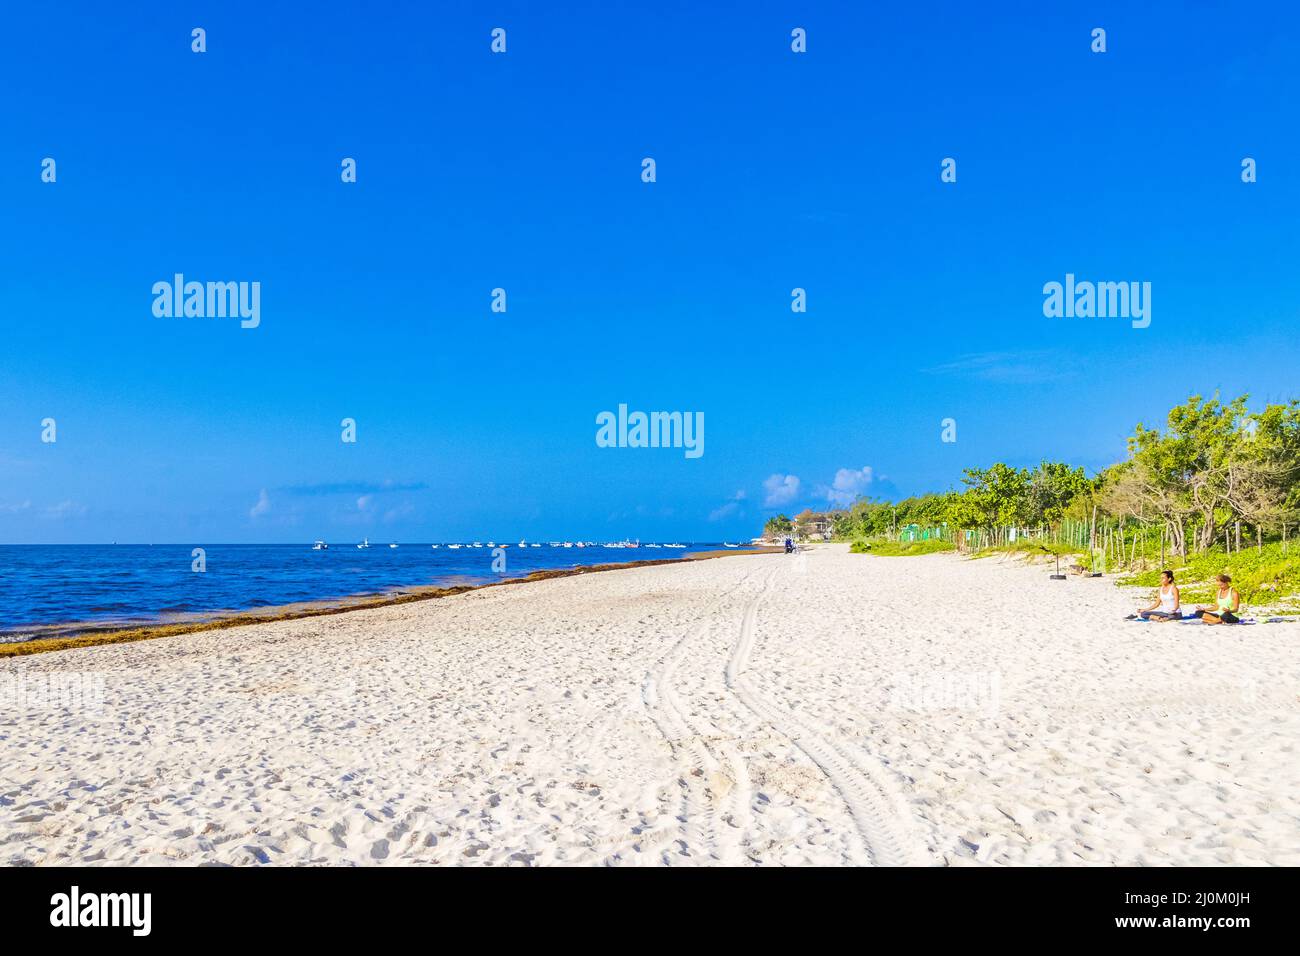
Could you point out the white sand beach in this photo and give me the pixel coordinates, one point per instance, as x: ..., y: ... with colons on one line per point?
x: 827, y: 708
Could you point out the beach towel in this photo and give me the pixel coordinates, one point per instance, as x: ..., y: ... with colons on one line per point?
x: 1193, y: 619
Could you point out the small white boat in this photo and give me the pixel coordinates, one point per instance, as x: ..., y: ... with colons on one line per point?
x: 579, y: 545
x: 433, y: 546
x: 392, y: 545
x: 476, y: 544
x: 453, y: 547
x: 567, y: 544
x: 674, y: 546
x: 365, y: 543
x: 320, y: 546
x: 523, y: 544
x: 652, y: 545
x: 728, y: 544
x: 534, y: 545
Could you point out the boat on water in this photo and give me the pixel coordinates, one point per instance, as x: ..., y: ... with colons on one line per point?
x: 453, y: 547
x: 433, y: 546
x: 365, y: 543
x: 492, y: 544
x: 674, y: 546
x: 652, y: 545
x: 728, y: 544
x: 476, y: 544
x: 392, y: 545
x: 567, y: 544
x: 320, y: 546
x: 523, y: 544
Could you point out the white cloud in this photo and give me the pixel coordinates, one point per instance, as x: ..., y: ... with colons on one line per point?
x: 731, y: 507
x: 725, y: 511
x: 364, y: 501
x: 262, y: 507
x: 65, y: 509
x: 780, y: 490
x: 14, y: 509
x: 1011, y: 368
x: 848, y: 486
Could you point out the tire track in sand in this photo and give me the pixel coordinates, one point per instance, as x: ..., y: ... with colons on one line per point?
x: 710, y: 777
x: 873, y: 802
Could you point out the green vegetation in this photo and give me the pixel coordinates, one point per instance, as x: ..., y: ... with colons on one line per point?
x: 1218, y: 489
x: 1264, y: 577
x: 1030, y: 547
x: 1217, y: 475
x: 887, y: 547
x: 779, y: 527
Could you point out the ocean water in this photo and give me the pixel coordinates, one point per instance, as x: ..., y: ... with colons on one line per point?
x: 89, y: 587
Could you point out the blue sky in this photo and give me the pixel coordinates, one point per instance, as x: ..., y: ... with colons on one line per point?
x: 775, y: 170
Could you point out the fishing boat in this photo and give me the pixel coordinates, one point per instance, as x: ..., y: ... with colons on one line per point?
x: 320, y: 546
x: 365, y: 543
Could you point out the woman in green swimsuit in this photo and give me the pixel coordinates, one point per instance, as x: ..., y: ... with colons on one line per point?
x: 1227, y: 604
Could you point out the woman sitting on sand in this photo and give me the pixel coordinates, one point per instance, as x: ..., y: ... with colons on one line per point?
x: 1166, y: 606
x: 1227, y: 604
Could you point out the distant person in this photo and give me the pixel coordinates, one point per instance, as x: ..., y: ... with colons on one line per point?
x: 1166, y: 606
x: 1226, y: 605
x: 789, y: 545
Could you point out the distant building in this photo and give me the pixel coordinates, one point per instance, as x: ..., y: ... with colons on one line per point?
x: 812, y: 526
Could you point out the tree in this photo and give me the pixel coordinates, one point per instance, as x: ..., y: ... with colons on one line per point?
x: 778, y: 527
x: 994, y: 497
x: 1052, y: 488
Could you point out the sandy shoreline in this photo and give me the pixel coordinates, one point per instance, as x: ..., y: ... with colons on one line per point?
x: 44, y: 639
x: 827, y: 708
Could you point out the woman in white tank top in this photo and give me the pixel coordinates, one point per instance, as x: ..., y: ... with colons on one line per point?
x: 1166, y: 606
